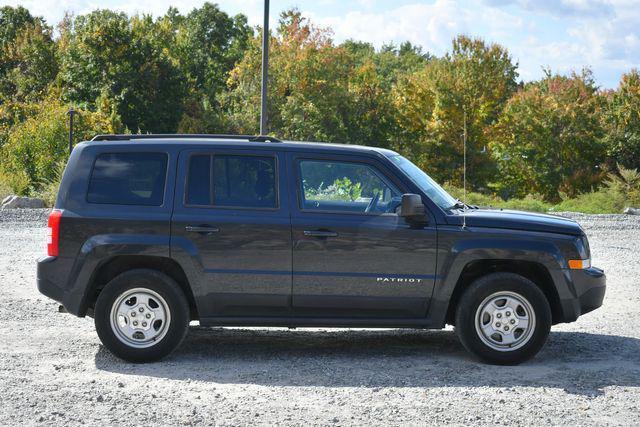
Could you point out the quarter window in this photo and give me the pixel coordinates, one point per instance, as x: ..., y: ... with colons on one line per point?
x: 128, y: 179
x: 346, y: 187
x: 232, y: 181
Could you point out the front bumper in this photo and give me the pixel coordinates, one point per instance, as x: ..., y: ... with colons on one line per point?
x: 589, y: 286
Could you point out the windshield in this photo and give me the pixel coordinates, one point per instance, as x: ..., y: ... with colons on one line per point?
x: 431, y: 188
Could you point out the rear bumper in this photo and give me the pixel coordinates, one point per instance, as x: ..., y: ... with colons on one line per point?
x: 589, y: 287
x: 49, y: 271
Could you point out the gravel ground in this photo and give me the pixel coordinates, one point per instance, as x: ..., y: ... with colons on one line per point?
x: 53, y: 369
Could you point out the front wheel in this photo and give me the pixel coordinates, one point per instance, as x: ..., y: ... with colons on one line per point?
x: 141, y: 315
x: 503, y: 318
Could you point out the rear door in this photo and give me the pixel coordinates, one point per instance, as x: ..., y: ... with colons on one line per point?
x: 353, y: 256
x: 231, y: 227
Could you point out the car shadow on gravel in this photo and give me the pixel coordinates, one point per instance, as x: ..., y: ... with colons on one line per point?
x: 579, y: 363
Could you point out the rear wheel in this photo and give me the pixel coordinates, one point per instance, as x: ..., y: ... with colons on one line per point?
x: 141, y: 315
x: 503, y: 318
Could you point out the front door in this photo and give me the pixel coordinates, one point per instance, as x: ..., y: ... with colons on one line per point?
x: 353, y: 256
x: 231, y: 229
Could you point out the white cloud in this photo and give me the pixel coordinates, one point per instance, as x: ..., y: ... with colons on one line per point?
x: 430, y: 25
x: 561, y: 8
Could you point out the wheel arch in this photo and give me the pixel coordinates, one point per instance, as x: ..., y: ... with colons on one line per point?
x: 118, y: 264
x: 534, y: 271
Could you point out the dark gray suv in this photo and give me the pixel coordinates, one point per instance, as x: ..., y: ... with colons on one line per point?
x: 150, y: 232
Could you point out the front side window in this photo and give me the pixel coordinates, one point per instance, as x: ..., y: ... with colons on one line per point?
x: 328, y: 185
x: 128, y: 179
x: 232, y: 181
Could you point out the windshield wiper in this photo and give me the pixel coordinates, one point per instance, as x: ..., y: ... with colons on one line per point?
x: 458, y: 205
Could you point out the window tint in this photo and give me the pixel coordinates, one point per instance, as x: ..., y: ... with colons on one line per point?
x: 244, y: 181
x: 128, y: 179
x: 349, y: 187
x: 236, y: 181
x: 199, y: 180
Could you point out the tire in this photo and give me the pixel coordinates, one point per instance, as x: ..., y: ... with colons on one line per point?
x: 156, y: 301
x: 510, y: 306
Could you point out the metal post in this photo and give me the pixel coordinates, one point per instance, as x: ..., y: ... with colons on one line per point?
x: 265, y: 69
x: 71, y: 113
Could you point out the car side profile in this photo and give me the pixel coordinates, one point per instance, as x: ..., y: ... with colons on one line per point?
x: 150, y: 232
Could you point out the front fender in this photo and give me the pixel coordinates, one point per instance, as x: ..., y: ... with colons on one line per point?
x: 457, y: 248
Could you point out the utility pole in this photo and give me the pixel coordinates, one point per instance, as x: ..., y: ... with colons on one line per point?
x: 71, y: 113
x: 464, y: 168
x: 265, y: 69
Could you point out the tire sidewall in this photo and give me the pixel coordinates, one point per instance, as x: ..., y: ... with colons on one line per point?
x: 478, y: 292
x: 168, y: 289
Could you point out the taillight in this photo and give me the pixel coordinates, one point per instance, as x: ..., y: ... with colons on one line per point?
x: 53, y: 232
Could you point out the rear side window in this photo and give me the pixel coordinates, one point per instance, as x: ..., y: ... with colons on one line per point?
x: 232, y: 181
x: 128, y: 179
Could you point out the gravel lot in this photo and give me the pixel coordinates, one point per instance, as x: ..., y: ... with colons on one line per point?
x: 53, y: 369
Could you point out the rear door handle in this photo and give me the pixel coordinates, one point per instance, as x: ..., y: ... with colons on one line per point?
x: 320, y: 233
x: 205, y: 229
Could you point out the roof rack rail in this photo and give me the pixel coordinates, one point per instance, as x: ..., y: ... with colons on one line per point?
x: 264, y: 138
x: 125, y: 137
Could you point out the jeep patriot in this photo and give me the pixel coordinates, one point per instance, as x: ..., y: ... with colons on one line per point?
x: 150, y: 232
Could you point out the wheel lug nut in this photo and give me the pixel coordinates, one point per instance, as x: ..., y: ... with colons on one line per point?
x: 506, y: 328
x: 141, y: 309
x: 148, y: 316
x: 133, y: 314
x: 144, y: 324
x: 498, y: 325
x: 513, y: 321
x: 498, y: 315
x: 135, y: 323
x: 508, y: 313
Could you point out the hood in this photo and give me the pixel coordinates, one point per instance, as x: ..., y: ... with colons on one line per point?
x: 518, y: 220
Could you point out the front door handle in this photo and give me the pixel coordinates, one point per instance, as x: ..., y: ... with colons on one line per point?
x: 204, y: 229
x: 320, y: 233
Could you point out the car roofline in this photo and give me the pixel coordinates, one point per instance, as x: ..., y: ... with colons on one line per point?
x: 232, y: 140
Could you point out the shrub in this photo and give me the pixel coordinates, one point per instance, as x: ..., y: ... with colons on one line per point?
x: 49, y: 187
x: 605, y: 200
x: 627, y: 184
x: 14, y: 183
x: 36, y: 146
x: 533, y: 203
x: 472, y: 197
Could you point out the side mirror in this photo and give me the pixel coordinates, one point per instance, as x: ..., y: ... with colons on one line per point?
x: 412, y: 209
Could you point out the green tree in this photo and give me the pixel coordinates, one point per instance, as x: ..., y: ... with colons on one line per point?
x: 27, y: 56
x: 107, y: 55
x: 317, y: 90
x: 209, y: 43
x: 12, y: 21
x: 473, y: 81
x: 621, y: 120
x: 547, y: 140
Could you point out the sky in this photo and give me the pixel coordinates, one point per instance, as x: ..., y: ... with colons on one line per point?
x: 561, y: 35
